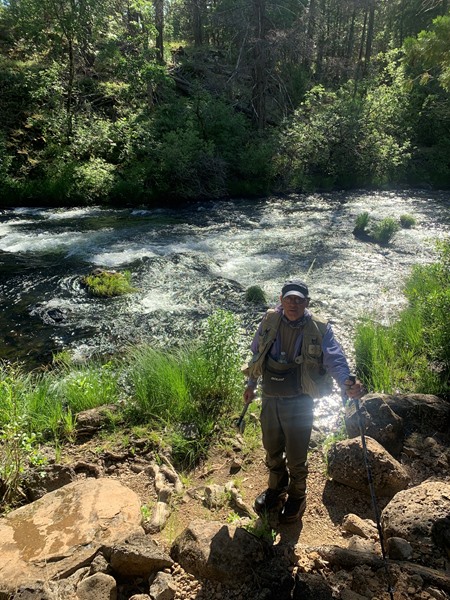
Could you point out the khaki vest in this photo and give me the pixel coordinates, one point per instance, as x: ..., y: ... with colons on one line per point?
x: 314, y: 380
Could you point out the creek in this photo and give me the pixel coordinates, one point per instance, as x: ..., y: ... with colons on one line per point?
x: 188, y: 262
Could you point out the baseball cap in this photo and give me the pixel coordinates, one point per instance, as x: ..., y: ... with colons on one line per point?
x: 294, y: 287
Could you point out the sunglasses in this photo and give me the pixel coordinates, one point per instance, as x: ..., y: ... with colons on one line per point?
x: 295, y: 299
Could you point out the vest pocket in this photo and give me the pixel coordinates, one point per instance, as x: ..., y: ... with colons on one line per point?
x: 281, y: 379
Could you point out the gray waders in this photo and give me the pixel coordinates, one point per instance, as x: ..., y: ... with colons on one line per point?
x: 286, y: 424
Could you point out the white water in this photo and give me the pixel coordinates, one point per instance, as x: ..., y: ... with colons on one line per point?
x: 187, y: 263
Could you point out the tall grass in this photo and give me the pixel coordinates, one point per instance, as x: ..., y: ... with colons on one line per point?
x: 185, y: 395
x: 160, y: 388
x: 189, y: 390
x: 18, y: 441
x: 384, y: 231
x: 413, y: 354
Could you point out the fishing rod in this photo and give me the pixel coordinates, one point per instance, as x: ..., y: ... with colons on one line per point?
x: 310, y: 268
x: 376, y: 510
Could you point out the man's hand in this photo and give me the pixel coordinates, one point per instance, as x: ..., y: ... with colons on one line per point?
x: 249, y: 394
x: 354, y: 388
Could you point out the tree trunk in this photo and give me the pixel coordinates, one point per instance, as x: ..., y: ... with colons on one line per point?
x: 351, y: 37
x: 369, y: 40
x: 70, y: 84
x: 321, y: 41
x: 197, y: 22
x: 260, y: 65
x: 363, y: 37
x: 310, y: 33
x: 159, y: 24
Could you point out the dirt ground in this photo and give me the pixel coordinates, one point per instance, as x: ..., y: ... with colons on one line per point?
x: 241, y: 459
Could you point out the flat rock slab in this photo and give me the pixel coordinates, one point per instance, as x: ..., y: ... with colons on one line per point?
x: 63, y: 530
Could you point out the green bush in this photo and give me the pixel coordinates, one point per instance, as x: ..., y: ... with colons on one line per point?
x: 189, y: 391
x: 384, y: 231
x: 255, y: 295
x: 81, y: 387
x: 108, y: 283
x: 93, y: 180
x: 361, y: 223
x: 355, y: 135
x: 407, y: 221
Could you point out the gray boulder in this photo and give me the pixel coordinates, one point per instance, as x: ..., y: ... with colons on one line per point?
x: 42, y: 480
x: 219, y: 552
x: 346, y: 465
x: 138, y: 556
x: 163, y: 587
x: 424, y: 413
x: 379, y: 422
x: 97, y: 587
x: 420, y: 515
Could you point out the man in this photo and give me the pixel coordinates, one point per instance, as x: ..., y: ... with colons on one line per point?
x: 294, y: 353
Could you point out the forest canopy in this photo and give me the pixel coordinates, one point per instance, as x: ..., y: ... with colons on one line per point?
x: 137, y: 101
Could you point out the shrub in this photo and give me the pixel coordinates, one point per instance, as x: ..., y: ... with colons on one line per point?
x: 189, y: 390
x: 81, y: 387
x: 384, y: 231
x: 93, y: 180
x: 108, y: 283
x: 361, y: 223
x: 255, y: 295
x: 18, y: 440
x: 407, y: 221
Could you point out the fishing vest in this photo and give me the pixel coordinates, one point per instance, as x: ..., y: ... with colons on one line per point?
x: 307, y: 368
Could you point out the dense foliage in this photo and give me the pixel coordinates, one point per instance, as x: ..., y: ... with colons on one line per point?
x: 146, y: 101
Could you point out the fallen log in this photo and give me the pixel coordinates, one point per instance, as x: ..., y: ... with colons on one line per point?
x: 349, y: 559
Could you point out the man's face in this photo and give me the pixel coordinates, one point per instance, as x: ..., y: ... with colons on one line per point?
x: 294, y: 307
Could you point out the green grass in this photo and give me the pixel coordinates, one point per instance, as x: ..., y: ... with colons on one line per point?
x: 107, y: 284
x: 412, y: 354
x: 184, y: 398
x: 381, y: 232
x: 361, y: 223
x: 384, y: 231
x: 188, y: 392
x: 407, y: 221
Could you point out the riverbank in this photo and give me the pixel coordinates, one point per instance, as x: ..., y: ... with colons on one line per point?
x: 127, y: 457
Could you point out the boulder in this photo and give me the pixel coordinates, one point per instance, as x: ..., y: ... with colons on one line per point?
x: 420, y: 515
x: 311, y: 586
x: 90, y: 421
x: 379, y: 422
x: 356, y: 526
x: 163, y: 587
x: 63, y: 531
x: 399, y: 549
x: 138, y: 556
x: 346, y: 465
x: 97, y: 587
x: 45, y: 479
x: 424, y: 413
x: 223, y: 553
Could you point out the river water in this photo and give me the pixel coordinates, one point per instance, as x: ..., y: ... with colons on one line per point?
x: 187, y: 262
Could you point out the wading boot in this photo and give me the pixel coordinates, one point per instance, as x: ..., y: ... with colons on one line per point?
x: 292, y: 510
x: 269, y: 500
